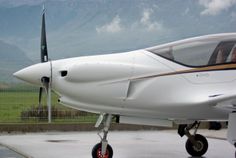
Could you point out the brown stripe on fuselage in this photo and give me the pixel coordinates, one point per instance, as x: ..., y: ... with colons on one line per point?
x: 193, y: 70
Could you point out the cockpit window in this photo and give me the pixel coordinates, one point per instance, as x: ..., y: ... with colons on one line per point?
x: 232, y: 55
x: 165, y: 52
x: 223, y: 53
x: 199, y: 53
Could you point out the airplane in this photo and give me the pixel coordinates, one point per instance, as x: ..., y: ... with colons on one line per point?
x: 185, y: 82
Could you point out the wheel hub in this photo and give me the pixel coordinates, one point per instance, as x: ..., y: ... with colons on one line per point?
x: 99, y: 153
x: 198, y: 146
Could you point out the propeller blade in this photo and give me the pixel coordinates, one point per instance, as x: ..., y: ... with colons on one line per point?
x: 43, y: 46
x: 47, y: 85
x: 40, y: 95
x: 40, y: 99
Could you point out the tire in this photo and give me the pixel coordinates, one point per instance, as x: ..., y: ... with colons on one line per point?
x: 201, y: 149
x: 97, y: 151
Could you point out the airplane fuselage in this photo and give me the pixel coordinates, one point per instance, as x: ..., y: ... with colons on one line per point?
x: 137, y: 83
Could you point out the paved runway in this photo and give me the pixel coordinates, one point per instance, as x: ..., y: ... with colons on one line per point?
x: 126, y: 144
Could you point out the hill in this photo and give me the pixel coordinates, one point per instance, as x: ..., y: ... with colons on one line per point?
x: 11, y: 59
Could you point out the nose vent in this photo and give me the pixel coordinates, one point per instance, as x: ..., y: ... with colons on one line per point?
x: 63, y: 73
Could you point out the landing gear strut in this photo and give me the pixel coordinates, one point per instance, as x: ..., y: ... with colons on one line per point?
x: 196, y: 144
x: 103, y: 149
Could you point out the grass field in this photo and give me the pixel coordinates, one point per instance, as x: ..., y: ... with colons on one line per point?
x: 20, y: 98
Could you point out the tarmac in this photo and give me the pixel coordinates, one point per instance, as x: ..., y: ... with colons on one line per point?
x: 8, y: 153
x: 125, y: 144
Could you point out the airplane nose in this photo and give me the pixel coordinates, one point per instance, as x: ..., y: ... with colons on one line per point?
x: 33, y: 74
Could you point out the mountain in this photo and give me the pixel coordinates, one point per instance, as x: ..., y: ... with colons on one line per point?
x: 11, y: 60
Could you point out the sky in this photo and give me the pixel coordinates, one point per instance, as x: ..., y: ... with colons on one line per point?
x: 89, y: 27
x: 211, y: 7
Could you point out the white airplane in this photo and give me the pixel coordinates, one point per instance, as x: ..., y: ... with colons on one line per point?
x: 184, y: 82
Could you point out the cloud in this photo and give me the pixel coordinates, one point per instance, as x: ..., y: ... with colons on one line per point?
x: 186, y: 11
x: 146, y: 16
x: 148, y: 23
x: 214, y: 7
x: 113, y: 27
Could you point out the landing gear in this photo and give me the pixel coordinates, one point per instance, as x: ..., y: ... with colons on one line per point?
x: 103, y: 149
x: 196, y: 144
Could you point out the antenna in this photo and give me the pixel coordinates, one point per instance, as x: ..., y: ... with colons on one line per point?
x: 43, y: 9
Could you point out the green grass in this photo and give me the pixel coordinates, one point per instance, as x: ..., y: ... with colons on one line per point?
x: 16, y: 99
x: 12, y: 103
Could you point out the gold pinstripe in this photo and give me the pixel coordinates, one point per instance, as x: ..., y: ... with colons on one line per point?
x: 193, y: 70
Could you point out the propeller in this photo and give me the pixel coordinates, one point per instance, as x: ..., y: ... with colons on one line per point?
x: 46, y: 81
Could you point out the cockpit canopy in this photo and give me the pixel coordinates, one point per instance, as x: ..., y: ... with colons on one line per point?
x: 199, y: 53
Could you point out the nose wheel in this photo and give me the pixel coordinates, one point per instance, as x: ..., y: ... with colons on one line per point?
x: 97, y: 151
x: 103, y: 149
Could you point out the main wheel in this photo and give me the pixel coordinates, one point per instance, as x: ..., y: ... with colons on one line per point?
x: 97, y: 151
x: 200, y: 148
